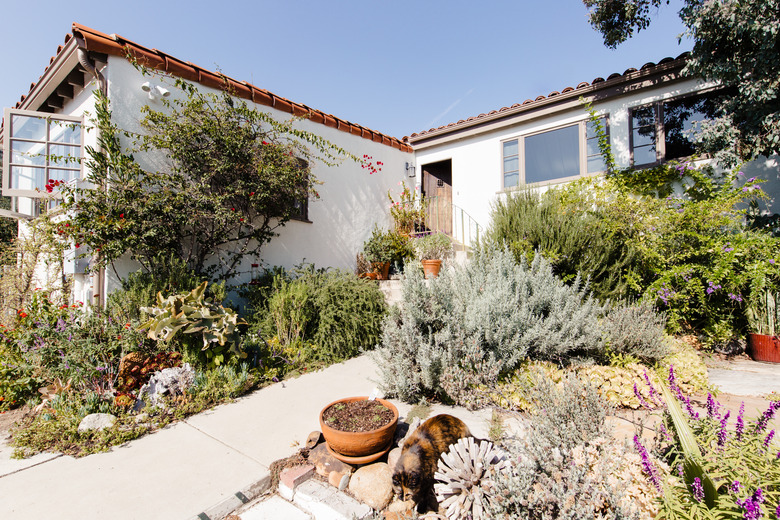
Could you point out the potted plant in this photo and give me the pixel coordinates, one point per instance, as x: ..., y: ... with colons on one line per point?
x: 358, y: 430
x: 384, y: 248
x: 431, y: 250
x: 763, y: 316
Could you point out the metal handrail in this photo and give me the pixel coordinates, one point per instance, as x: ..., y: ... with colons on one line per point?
x: 445, y: 217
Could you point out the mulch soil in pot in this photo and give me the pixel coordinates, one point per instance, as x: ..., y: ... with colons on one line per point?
x: 357, y: 416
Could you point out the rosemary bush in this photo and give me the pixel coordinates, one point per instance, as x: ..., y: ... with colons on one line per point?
x: 636, y: 329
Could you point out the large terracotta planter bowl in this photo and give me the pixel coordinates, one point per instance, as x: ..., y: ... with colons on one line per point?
x: 355, y: 447
x: 762, y: 347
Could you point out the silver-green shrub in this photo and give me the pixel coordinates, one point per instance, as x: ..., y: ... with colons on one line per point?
x: 636, y: 329
x: 566, y: 465
x: 492, y: 313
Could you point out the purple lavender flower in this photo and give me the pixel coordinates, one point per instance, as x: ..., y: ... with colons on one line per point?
x: 768, y: 439
x: 698, y: 490
x: 680, y: 470
x: 712, y: 407
x: 735, y: 487
x: 752, y: 506
x: 722, y: 433
x: 771, y: 260
x: 777, y: 511
x: 767, y: 416
x: 647, y: 464
x: 642, y: 402
x: 741, y: 421
x: 653, y: 392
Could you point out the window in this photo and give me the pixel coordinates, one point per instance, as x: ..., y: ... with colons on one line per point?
x: 662, y: 131
x: 301, y: 205
x: 38, y: 148
x: 556, y: 155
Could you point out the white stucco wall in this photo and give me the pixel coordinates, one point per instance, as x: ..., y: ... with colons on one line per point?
x: 351, y: 200
x: 477, y: 159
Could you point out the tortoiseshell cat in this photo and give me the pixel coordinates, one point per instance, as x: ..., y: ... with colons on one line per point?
x: 413, y: 474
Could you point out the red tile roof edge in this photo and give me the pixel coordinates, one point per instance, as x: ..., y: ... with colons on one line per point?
x: 471, y: 120
x: 93, y: 40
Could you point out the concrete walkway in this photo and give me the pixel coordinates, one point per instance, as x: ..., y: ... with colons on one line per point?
x: 207, y: 465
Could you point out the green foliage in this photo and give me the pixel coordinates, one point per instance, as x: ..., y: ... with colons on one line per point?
x: 52, y: 342
x: 193, y: 314
x: 470, y: 324
x: 317, y: 315
x: 433, y: 246
x: 235, y: 175
x: 636, y: 330
x: 731, y: 462
x: 140, y: 288
x: 387, y: 246
x: 574, y: 239
x: 734, y: 44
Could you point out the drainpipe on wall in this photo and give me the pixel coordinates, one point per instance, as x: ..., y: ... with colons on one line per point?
x: 99, y: 277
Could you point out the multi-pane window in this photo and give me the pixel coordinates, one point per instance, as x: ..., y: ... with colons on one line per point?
x: 40, y: 148
x: 663, y: 131
x: 556, y: 155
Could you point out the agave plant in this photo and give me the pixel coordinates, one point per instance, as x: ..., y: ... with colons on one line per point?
x: 193, y: 313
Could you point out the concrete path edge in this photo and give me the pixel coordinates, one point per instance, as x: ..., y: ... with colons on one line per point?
x: 245, y: 495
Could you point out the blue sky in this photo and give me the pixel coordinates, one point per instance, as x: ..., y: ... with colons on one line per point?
x: 394, y: 66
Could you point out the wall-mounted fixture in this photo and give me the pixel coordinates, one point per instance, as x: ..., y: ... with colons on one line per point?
x: 155, y: 91
x: 410, y: 169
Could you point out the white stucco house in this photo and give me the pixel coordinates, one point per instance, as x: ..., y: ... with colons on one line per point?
x: 463, y: 166
x: 549, y: 140
x: 53, y: 119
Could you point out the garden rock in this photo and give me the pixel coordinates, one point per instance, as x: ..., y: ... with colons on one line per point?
x: 325, y: 463
x: 96, y: 421
x: 373, y: 485
x: 313, y: 439
x: 393, y: 456
x: 170, y: 382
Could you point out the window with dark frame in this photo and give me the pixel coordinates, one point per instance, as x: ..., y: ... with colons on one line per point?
x: 663, y: 131
x: 556, y: 155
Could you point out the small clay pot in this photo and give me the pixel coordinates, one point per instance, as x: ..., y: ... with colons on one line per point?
x: 360, y: 444
x: 431, y: 268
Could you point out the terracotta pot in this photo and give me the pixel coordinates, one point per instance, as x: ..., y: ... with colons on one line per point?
x: 355, y: 445
x: 762, y: 347
x: 382, y: 269
x: 431, y: 268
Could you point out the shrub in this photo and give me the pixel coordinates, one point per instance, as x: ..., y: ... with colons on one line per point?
x: 387, y: 246
x: 51, y: 341
x: 318, y: 315
x: 434, y: 246
x: 140, y: 288
x: 567, y: 466
x: 719, y: 470
x: 576, y: 242
x: 492, y: 311
x: 636, y: 330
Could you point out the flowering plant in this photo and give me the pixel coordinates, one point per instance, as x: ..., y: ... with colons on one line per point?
x: 716, y: 471
x: 408, y: 211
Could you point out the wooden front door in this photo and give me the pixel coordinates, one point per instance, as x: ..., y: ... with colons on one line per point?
x: 437, y: 188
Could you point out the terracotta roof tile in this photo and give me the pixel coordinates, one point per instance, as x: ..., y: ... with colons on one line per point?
x: 93, y: 40
x: 538, y: 99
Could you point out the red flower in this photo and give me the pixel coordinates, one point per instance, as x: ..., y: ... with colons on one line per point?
x: 252, y: 194
x: 22, y: 314
x: 121, y: 215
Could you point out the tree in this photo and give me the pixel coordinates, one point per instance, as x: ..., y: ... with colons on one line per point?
x: 737, y: 43
x: 232, y: 176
